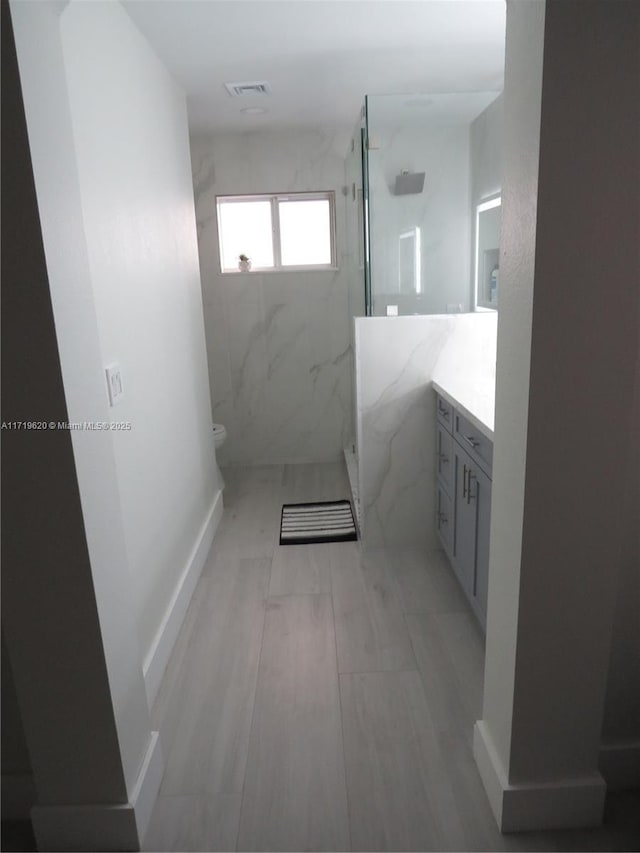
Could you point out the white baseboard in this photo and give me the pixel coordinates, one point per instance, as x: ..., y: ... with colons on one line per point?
x: 620, y: 765
x: 145, y: 791
x: 102, y: 826
x: 157, y: 658
x: 562, y: 804
x: 18, y: 796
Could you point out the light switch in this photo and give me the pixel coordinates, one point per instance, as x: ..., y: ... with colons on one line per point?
x: 114, y: 384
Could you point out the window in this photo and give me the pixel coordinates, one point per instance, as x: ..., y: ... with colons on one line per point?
x: 277, y: 232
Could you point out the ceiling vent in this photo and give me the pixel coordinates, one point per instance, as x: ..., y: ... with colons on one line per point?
x: 251, y: 87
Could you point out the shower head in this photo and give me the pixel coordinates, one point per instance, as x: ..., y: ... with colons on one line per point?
x: 409, y: 183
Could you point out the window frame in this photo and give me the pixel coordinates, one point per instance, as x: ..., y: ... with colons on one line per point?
x: 274, y: 199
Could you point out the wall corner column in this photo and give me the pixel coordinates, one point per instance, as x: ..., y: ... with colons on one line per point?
x: 67, y: 621
x: 566, y: 374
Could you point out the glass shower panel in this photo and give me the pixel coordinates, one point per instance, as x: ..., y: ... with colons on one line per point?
x: 354, y: 262
x: 417, y: 191
x: 366, y: 220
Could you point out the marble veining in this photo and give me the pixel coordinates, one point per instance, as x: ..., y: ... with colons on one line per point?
x: 479, y: 407
x: 397, y: 360
x: 466, y: 370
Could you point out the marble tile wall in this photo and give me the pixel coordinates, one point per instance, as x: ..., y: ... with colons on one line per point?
x: 279, y: 350
x: 396, y: 360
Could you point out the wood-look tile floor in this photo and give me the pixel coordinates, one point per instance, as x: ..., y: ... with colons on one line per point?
x: 320, y: 697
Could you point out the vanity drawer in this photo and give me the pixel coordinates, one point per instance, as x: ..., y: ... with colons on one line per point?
x: 444, y: 457
x: 445, y: 412
x: 477, y: 445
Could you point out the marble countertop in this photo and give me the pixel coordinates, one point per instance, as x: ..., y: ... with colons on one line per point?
x: 476, y: 402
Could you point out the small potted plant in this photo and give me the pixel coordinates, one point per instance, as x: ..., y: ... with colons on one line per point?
x: 244, y: 263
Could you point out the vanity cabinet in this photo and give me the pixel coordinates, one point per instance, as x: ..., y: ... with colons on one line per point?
x: 463, y: 465
x: 445, y: 468
x: 472, y: 508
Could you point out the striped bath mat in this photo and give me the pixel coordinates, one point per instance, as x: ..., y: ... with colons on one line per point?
x: 328, y: 521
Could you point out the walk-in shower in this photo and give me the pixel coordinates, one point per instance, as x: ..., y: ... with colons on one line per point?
x: 415, y: 181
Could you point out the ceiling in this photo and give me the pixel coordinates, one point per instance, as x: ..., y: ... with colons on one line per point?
x: 320, y: 56
x: 389, y: 112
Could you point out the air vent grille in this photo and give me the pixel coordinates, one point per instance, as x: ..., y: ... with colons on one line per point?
x: 248, y: 87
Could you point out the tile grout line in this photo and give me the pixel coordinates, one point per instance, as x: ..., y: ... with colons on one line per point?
x: 380, y: 671
x: 344, y: 757
x: 255, y: 696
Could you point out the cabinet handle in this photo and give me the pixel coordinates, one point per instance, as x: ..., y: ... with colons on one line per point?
x: 443, y: 412
x: 464, y: 482
x: 443, y: 457
x: 471, y: 440
x: 442, y: 518
x: 469, y: 495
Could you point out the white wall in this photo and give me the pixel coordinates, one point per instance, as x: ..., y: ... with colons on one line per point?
x: 487, y: 132
x: 523, y: 85
x: 131, y: 140
x: 278, y: 343
x: 109, y: 145
x: 442, y: 212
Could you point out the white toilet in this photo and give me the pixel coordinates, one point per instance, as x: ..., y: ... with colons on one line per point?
x: 219, y: 438
x: 219, y: 435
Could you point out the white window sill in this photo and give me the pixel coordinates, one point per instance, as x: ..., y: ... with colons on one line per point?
x: 280, y: 271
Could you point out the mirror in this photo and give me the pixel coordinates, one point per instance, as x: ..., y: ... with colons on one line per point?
x: 487, y: 265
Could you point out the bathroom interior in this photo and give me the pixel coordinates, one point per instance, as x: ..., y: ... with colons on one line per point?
x: 315, y: 366
x: 218, y: 664
x: 427, y: 250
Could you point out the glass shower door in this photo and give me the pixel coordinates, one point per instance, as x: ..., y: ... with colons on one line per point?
x: 364, y: 140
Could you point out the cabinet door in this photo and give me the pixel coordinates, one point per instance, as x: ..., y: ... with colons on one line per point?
x: 444, y: 458
x: 445, y: 413
x: 481, y: 496
x: 444, y: 520
x: 464, y: 537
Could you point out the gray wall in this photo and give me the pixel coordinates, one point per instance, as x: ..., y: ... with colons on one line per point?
x: 566, y: 376
x: 49, y: 612
x: 621, y: 729
x: 18, y: 792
